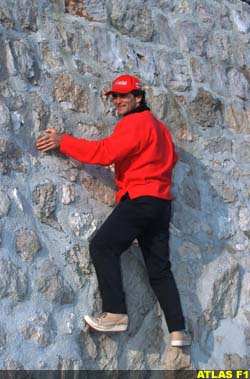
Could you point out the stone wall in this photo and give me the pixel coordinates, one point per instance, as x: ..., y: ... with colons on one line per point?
x: 193, y: 57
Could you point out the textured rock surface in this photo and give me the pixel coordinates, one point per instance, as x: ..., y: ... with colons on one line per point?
x: 57, y: 59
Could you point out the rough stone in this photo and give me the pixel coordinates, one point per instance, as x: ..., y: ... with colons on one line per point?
x: 4, y: 204
x: 68, y: 364
x: 40, y: 113
x: 28, y: 13
x: 236, y: 362
x: 206, y: 110
x: 244, y: 220
x: 10, y: 156
x: 68, y: 194
x: 237, y: 116
x: 192, y: 38
x: 3, y: 338
x: 219, y: 145
x: 24, y: 61
x: 175, y: 72
x: 238, y: 84
x: 44, y: 201
x: 12, y: 365
x: 241, y: 21
x: 70, y: 94
x: 79, y: 263
x: 38, y: 329
x: 82, y: 225
x: 13, y: 281
x: 51, y: 283
x: 27, y: 244
x: 191, y: 192
x: 178, y: 359
x: 98, y: 190
x: 92, y: 11
x: 229, y: 193
x: 6, y: 17
x: 131, y: 18
x: 223, y: 292
x: 198, y: 70
x: 5, y: 116
x: 244, y: 152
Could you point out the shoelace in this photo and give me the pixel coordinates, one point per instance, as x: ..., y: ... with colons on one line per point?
x: 103, y: 315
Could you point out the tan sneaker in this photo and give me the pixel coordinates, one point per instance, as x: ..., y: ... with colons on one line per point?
x: 180, y: 339
x: 108, y: 322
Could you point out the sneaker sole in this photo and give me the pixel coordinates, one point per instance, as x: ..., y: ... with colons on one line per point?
x: 180, y: 343
x: 116, y: 328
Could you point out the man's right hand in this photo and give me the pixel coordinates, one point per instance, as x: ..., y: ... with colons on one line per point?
x: 50, y: 141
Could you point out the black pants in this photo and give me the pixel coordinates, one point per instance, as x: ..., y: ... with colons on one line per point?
x: 147, y: 219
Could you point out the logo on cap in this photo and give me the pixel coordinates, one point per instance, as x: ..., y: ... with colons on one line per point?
x: 120, y: 83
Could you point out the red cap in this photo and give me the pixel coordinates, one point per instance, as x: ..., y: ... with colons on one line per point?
x: 125, y: 84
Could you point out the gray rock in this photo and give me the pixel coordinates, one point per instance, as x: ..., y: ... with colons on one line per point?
x: 44, y: 201
x: 205, y: 109
x: 70, y: 94
x: 244, y: 220
x: 192, y: 37
x: 92, y: 11
x: 13, y: 281
x: 131, y: 18
x: 5, y: 116
x: 68, y: 194
x: 219, y: 298
x: 52, y: 284
x: 6, y: 16
x: 10, y: 156
x: 78, y: 260
x: 68, y: 364
x: 27, y: 244
x: 178, y: 359
x: 40, y: 113
x: 191, y: 193
x: 4, y: 204
x: 38, y: 329
x: 241, y: 20
x: 219, y: 145
x: 12, y: 365
x: 237, y: 116
x: 236, y: 362
x: 3, y: 338
x: 244, y: 152
x: 24, y: 60
x: 238, y: 84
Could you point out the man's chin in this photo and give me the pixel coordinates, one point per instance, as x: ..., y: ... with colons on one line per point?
x: 121, y: 113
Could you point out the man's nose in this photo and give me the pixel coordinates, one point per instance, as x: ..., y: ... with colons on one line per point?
x: 117, y: 99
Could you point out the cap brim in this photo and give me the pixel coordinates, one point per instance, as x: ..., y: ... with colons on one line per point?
x: 118, y: 90
x: 108, y: 93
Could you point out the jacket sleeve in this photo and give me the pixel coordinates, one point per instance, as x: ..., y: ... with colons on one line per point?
x: 121, y: 143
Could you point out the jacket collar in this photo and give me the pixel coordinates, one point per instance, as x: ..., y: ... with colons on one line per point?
x: 139, y: 109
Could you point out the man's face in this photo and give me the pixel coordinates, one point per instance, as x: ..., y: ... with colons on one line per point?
x: 125, y: 102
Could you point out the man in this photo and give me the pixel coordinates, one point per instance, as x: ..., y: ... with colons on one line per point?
x: 144, y: 156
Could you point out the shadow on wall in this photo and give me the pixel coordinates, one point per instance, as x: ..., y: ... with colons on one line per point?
x: 206, y: 274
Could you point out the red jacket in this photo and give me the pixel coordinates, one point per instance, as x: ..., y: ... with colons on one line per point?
x: 142, y: 150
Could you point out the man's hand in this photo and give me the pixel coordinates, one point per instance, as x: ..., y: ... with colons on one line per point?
x: 50, y: 141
